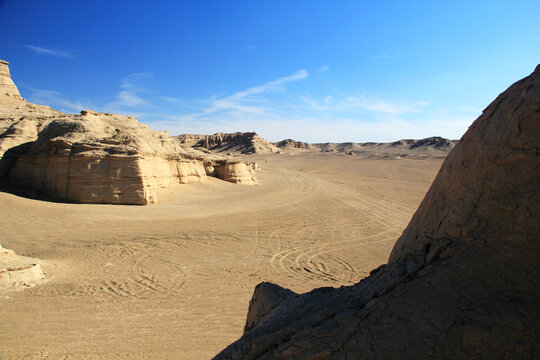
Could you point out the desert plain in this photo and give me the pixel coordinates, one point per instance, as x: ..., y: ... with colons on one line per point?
x: 174, y: 279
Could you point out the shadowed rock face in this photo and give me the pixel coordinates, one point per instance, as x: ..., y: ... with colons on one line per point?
x: 463, y: 280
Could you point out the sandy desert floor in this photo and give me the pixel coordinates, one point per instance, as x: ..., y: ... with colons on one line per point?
x: 174, y: 280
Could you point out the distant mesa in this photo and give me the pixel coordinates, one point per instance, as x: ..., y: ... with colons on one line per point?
x: 238, y: 142
x: 97, y: 157
x: 292, y: 144
x: 462, y: 281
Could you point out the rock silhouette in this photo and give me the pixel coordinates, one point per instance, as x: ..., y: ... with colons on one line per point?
x: 462, y: 281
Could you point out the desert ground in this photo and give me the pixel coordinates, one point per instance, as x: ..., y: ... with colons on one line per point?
x: 174, y: 279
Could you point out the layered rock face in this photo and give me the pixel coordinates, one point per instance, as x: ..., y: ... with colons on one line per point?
x: 103, y: 158
x: 20, y: 121
x: 238, y: 172
x: 7, y: 87
x: 244, y: 143
x: 99, y: 158
x: 462, y: 281
x: 18, y: 271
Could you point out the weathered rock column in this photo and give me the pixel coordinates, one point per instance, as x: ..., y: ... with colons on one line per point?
x: 7, y: 87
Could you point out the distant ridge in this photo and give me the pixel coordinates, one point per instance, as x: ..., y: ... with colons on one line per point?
x: 252, y: 143
x: 434, y: 146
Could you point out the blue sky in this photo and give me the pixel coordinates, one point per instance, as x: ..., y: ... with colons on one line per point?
x: 310, y: 70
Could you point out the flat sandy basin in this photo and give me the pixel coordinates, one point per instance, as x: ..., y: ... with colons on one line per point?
x: 174, y: 280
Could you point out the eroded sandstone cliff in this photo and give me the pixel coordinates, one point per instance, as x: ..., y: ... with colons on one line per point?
x: 462, y: 281
x: 97, y: 157
x: 7, y: 87
x: 241, y: 142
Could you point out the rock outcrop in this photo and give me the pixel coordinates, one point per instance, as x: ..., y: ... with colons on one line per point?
x: 435, y: 142
x: 18, y: 271
x: 240, y: 142
x: 97, y: 157
x: 266, y: 297
x: 103, y: 158
x: 20, y: 121
x: 7, y: 87
x: 462, y: 281
x: 292, y: 144
x: 238, y: 172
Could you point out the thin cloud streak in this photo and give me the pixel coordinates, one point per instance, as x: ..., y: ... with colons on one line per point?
x: 324, y: 130
x: 245, y: 101
x: 129, y: 95
x: 275, y: 112
x: 330, y: 104
x: 56, y: 100
x: 324, y: 68
x: 42, y: 50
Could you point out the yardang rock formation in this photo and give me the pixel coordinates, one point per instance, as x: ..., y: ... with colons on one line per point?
x: 240, y: 142
x: 96, y: 157
x: 462, y: 281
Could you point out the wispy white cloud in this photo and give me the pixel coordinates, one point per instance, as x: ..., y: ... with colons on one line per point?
x: 276, y: 110
x: 42, y: 50
x: 320, y: 130
x: 276, y: 114
x: 246, y: 101
x: 130, y: 91
x: 56, y: 100
x: 324, y: 68
x: 330, y: 104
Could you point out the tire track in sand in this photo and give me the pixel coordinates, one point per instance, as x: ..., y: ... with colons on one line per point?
x: 314, y: 261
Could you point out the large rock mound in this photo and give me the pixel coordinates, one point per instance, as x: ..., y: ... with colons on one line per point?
x: 462, y: 281
x: 239, y: 142
x: 290, y: 144
x: 97, y: 157
x: 103, y: 158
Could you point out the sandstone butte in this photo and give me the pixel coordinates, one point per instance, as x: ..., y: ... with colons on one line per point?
x: 240, y: 142
x: 97, y: 157
x: 462, y: 281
